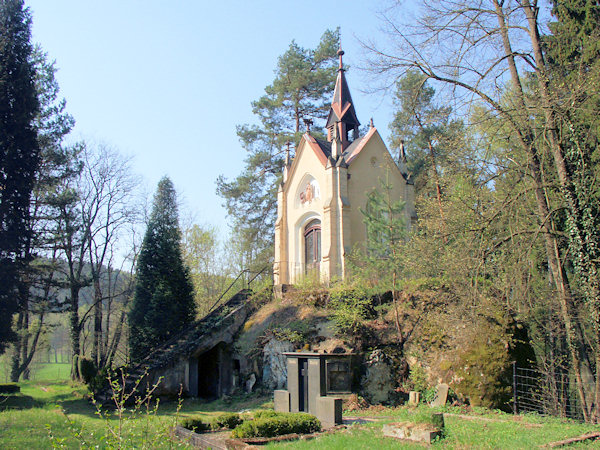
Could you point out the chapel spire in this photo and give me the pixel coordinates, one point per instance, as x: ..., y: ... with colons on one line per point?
x: 342, y: 116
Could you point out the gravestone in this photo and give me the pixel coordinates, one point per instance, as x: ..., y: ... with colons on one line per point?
x: 442, y: 395
x: 281, y: 400
x: 418, y: 432
x: 414, y: 398
x: 315, y: 382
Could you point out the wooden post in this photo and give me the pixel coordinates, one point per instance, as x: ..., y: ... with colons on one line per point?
x: 515, y: 409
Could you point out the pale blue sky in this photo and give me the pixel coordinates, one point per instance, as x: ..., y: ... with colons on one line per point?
x: 168, y: 81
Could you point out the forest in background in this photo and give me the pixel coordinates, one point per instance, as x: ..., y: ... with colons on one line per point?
x: 72, y: 217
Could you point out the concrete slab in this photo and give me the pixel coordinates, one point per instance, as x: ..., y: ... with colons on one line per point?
x: 412, y: 432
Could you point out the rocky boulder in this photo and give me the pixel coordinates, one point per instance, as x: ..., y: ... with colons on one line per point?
x: 274, y: 364
x: 378, y: 381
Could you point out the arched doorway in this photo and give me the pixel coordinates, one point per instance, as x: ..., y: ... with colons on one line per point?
x: 312, y: 246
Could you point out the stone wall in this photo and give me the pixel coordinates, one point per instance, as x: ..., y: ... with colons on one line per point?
x: 378, y: 382
x: 170, y: 379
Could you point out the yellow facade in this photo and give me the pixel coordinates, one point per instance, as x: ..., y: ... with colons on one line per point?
x: 324, y: 188
x: 339, y: 194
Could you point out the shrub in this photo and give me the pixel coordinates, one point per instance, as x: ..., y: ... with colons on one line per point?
x: 226, y: 420
x: 286, y: 334
x: 485, y: 374
x: 484, y: 365
x: 265, y: 414
x: 297, y: 332
x: 87, y: 370
x: 418, y: 381
x: 270, y: 424
x: 131, y: 422
x: 195, y: 424
x: 9, y: 389
x: 351, y: 306
x: 100, y: 382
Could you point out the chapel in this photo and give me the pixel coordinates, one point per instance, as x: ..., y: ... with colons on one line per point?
x: 324, y: 189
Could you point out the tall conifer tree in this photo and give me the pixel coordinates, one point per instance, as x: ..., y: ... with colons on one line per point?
x: 302, y: 90
x: 19, y: 152
x: 164, y: 297
x: 58, y: 163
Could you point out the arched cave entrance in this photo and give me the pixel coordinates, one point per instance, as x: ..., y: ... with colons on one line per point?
x: 216, y: 371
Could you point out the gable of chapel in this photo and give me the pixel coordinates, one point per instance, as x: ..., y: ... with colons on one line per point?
x: 325, y: 187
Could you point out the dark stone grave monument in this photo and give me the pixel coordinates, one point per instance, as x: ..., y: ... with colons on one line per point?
x: 316, y: 383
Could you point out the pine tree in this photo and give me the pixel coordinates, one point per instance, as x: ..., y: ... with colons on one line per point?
x: 57, y: 164
x: 301, y: 90
x: 422, y: 127
x: 163, y: 303
x: 19, y: 152
x: 434, y: 142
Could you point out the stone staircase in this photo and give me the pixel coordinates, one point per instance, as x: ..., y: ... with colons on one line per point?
x: 184, y: 343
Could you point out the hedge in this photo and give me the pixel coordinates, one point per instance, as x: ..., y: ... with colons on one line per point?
x: 270, y: 424
x: 226, y: 420
x: 9, y: 388
x: 196, y: 425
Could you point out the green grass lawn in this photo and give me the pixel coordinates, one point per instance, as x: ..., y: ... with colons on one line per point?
x: 39, y: 371
x: 47, y: 414
x: 51, y: 372
x: 485, y: 430
x: 57, y: 414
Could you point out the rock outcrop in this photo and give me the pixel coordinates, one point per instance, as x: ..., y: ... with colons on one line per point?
x: 274, y: 363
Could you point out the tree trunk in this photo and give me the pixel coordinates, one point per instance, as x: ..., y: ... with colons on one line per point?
x: 584, y: 243
x: 28, y: 357
x: 21, y: 347
x: 97, y: 335
x: 20, y: 364
x: 436, y: 179
x: 24, y: 368
x: 112, y: 349
x: 438, y: 190
x: 74, y: 320
x: 106, y: 337
x: 16, y: 356
x: 574, y: 333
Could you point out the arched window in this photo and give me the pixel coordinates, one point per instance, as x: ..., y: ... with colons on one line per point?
x: 312, y: 245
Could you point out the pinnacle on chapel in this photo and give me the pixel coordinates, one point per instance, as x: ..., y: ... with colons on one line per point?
x: 342, y: 116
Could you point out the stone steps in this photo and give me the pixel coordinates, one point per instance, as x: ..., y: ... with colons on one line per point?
x: 179, y: 344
